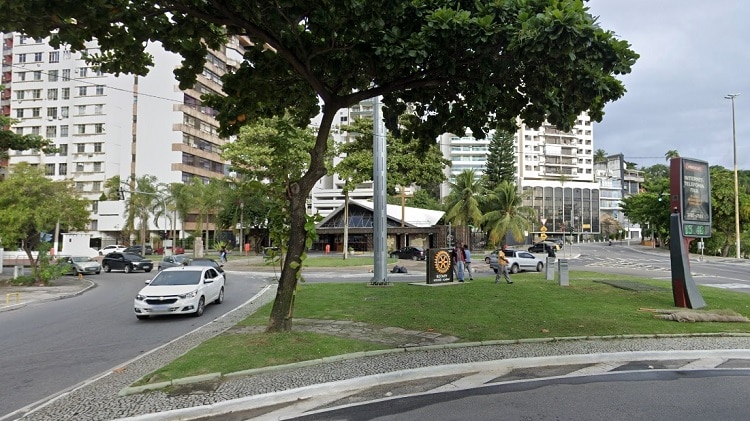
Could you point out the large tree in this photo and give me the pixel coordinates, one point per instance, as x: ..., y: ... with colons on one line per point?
x: 506, y: 214
x: 454, y: 64
x: 31, y: 205
x: 501, y: 160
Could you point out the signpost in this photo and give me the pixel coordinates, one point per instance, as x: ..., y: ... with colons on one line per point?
x: 439, y: 266
x: 690, y: 208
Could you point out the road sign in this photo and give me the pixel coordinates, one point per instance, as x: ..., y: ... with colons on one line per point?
x: 543, y: 229
x: 543, y: 236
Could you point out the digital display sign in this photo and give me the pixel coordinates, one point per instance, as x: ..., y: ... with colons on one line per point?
x: 695, y: 195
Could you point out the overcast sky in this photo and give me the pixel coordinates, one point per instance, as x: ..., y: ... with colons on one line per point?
x: 693, y: 54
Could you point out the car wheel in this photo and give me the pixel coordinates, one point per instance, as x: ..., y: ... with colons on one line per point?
x: 220, y: 298
x: 414, y: 257
x: 514, y: 268
x: 147, y: 270
x: 487, y: 260
x: 107, y: 268
x: 141, y: 317
x: 98, y: 272
x: 128, y: 269
x: 539, y: 266
x: 201, y: 307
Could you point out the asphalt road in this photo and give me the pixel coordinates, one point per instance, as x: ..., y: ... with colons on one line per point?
x: 49, y: 347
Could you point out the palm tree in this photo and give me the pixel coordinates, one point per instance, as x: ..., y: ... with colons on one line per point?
x: 672, y: 153
x: 143, y: 202
x: 600, y: 156
x: 506, y: 214
x: 463, y: 201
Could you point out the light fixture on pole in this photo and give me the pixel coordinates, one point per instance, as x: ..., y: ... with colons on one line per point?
x: 736, y: 183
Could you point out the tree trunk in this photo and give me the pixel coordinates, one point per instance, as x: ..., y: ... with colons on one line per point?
x: 283, y: 305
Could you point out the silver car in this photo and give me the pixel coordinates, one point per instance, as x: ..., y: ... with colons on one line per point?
x: 80, y: 265
x: 519, y: 260
x: 173, y: 261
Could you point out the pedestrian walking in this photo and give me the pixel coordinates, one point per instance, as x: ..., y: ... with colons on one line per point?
x: 223, y: 255
x: 502, y: 266
x: 459, y: 259
x: 467, y: 262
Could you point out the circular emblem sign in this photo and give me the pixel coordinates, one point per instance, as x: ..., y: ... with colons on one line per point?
x: 442, y: 262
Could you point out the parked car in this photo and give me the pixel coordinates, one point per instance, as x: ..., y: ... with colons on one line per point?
x: 205, y: 261
x: 409, y: 252
x: 519, y: 260
x: 139, y: 249
x: 488, y: 258
x: 542, y: 247
x: 78, y: 265
x: 127, y: 262
x: 109, y: 249
x: 173, y: 261
x: 180, y: 290
x: 177, y: 250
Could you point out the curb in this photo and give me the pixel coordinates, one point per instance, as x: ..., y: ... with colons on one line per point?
x: 91, y: 284
x: 131, y: 390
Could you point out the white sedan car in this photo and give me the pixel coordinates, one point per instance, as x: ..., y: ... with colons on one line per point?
x: 109, y: 249
x: 519, y: 260
x: 180, y: 290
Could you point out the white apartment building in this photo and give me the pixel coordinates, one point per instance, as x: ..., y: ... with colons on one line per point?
x: 106, y: 125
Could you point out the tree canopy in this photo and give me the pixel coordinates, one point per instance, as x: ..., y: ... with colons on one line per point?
x: 452, y: 64
x: 501, y: 160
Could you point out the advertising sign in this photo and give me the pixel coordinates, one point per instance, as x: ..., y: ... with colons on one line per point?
x: 439, y: 266
x: 695, y: 198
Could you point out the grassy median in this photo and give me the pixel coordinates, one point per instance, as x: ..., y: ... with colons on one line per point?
x: 593, y: 305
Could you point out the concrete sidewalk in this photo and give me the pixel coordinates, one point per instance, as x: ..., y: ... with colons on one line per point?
x: 13, y: 297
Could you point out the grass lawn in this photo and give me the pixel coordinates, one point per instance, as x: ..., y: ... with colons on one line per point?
x: 476, y: 311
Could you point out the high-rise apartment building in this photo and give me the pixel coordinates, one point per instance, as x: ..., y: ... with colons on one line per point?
x: 106, y: 125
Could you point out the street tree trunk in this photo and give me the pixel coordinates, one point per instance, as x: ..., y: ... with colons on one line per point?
x: 297, y: 193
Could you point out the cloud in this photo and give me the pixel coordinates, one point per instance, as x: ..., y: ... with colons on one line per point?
x: 693, y: 53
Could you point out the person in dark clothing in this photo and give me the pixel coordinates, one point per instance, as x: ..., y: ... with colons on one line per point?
x: 551, y: 251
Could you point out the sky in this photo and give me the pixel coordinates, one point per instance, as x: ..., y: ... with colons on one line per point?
x: 693, y: 53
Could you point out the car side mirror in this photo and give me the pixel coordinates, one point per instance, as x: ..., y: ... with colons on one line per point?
x: 148, y: 281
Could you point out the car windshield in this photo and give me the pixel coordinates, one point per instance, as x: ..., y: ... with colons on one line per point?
x: 131, y: 256
x: 209, y: 263
x: 177, y: 278
x: 82, y: 259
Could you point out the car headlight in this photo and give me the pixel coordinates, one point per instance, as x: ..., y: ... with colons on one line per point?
x: 190, y: 294
x: 140, y: 297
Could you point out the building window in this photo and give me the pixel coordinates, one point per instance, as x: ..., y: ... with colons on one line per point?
x: 52, y: 94
x: 79, y: 167
x: 81, y: 110
x: 80, y: 185
x: 21, y: 76
x: 100, y: 89
x: 36, y: 112
x: 63, y: 147
x: 82, y: 90
x: 62, y: 169
x: 82, y: 71
x: 66, y: 55
x: 37, y: 57
x: 65, y: 93
x: 98, y: 109
x: 49, y: 169
x: 52, y: 75
x: 97, y: 167
x: 54, y: 56
x: 51, y: 131
x: 21, y: 58
x: 36, y: 94
x: 94, y: 206
x: 37, y: 75
x: 99, y: 128
x: 20, y: 94
x: 66, y: 75
x: 64, y: 112
x: 64, y: 133
x: 36, y: 130
x: 98, y: 147
x: 19, y: 112
x: 97, y: 186
x: 81, y: 147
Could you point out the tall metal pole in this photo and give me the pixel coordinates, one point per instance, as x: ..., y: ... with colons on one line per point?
x: 242, y: 226
x: 379, y: 199
x: 736, y: 183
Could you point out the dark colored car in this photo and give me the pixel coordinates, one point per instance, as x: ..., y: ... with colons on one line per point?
x: 128, y: 262
x: 173, y: 261
x: 205, y: 261
x: 541, y: 248
x: 139, y: 249
x: 409, y: 252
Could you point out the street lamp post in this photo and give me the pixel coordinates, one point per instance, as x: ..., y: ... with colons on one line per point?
x: 736, y: 183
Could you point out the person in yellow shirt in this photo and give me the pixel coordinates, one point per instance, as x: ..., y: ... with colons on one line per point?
x: 502, y: 266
